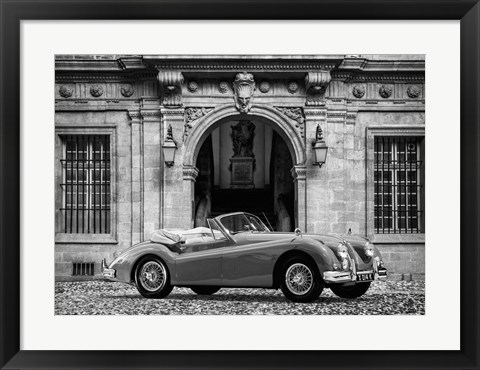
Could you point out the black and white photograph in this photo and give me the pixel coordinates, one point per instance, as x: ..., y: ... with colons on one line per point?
x: 240, y: 184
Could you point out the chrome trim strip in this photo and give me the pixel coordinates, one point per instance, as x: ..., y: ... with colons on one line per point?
x: 337, y: 276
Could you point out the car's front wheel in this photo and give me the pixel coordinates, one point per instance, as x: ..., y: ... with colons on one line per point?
x: 301, y: 281
x: 352, y: 291
x: 152, y: 278
x: 204, y: 289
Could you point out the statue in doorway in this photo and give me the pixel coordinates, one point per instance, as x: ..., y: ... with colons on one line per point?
x: 242, y: 137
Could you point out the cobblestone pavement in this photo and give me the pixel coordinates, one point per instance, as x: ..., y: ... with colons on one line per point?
x: 109, y: 298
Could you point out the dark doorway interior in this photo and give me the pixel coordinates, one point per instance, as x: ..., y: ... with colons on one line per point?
x: 273, y: 200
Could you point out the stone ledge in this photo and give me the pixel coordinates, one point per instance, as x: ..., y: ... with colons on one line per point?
x: 398, y: 238
x: 85, y: 239
x: 405, y: 277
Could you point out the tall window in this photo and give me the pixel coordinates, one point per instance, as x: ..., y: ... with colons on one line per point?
x: 398, y: 185
x: 86, y: 184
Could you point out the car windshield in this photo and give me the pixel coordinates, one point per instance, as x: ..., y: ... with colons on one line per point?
x: 242, y: 222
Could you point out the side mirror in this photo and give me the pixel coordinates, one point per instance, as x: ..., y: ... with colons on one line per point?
x: 246, y: 227
x: 298, y: 232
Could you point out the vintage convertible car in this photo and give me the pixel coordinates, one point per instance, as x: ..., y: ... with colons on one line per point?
x: 238, y: 250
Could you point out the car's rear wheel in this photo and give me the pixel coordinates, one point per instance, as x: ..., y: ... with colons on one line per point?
x: 353, y: 291
x: 205, y: 289
x: 152, y: 278
x: 301, y: 281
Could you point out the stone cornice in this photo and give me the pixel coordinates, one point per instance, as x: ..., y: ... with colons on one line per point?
x: 363, y: 76
x: 239, y: 66
x: 73, y: 75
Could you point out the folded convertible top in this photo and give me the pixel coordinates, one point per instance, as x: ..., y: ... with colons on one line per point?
x: 172, y: 237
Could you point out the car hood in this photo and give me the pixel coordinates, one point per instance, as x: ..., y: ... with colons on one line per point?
x: 355, y: 243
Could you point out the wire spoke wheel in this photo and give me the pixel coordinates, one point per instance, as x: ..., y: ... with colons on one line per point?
x: 152, y: 276
x: 299, y: 279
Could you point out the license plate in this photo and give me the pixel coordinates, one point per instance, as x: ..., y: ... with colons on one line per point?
x: 365, y: 277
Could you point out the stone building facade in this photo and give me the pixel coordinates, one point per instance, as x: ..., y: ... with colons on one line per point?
x: 243, y: 130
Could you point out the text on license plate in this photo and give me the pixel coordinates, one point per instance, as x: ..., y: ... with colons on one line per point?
x: 365, y: 277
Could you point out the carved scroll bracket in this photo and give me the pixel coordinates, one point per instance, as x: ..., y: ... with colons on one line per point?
x: 316, y: 84
x: 171, y: 88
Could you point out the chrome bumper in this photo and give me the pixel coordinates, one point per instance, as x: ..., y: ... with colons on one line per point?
x: 352, y: 275
x: 106, y: 272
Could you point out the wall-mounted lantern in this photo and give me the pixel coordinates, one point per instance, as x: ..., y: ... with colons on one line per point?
x: 169, y: 147
x: 320, y: 148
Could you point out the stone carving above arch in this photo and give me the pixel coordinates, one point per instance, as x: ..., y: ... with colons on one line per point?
x: 244, y: 87
x: 192, y: 114
x: 204, y: 125
x: 295, y: 114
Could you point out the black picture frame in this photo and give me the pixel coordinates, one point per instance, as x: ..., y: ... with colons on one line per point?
x: 13, y: 12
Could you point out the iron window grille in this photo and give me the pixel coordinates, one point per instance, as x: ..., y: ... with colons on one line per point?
x: 83, y: 269
x: 398, y: 185
x: 86, y: 184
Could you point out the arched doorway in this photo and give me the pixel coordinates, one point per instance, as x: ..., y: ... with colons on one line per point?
x: 244, y: 165
x: 285, y: 134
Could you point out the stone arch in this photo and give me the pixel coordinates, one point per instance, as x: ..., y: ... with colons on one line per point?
x: 204, y: 126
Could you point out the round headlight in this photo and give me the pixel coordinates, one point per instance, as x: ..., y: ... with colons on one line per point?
x: 368, y: 248
x: 342, y: 251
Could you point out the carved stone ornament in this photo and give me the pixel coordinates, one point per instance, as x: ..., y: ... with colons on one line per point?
x: 316, y: 84
x: 413, y: 91
x: 244, y: 87
x: 126, y: 90
x: 385, y: 91
x: 65, y: 92
x: 192, y: 86
x: 358, y: 91
x: 299, y: 172
x: 264, y: 86
x: 292, y: 87
x: 191, y: 114
x: 295, y: 114
x: 223, y: 87
x: 171, y: 88
x: 96, y: 91
x: 190, y: 173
